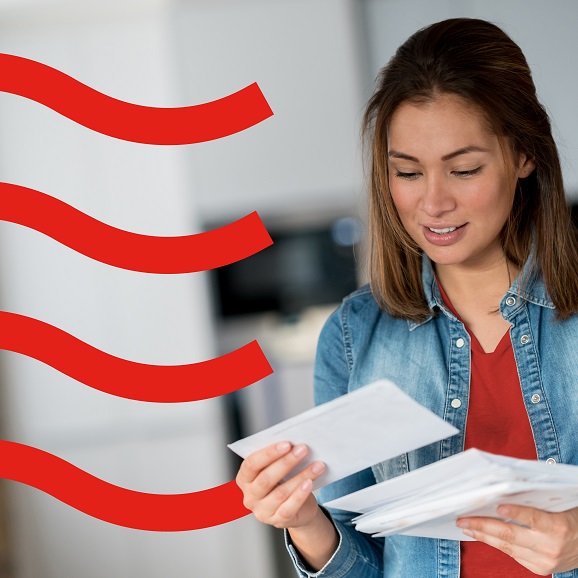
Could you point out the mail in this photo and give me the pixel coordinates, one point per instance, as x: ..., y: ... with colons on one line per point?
x: 425, y: 502
x: 428, y: 501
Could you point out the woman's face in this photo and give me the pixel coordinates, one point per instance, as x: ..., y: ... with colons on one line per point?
x: 449, y: 181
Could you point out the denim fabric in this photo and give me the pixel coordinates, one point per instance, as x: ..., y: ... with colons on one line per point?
x: 360, y: 344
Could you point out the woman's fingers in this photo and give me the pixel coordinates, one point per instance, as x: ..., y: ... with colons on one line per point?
x: 288, y: 511
x: 265, y: 472
x: 272, y: 475
x: 272, y: 500
x: 497, y: 533
x: 257, y: 461
x: 505, y: 534
x: 261, y: 473
x: 513, y: 540
x: 282, y: 499
x: 546, y: 543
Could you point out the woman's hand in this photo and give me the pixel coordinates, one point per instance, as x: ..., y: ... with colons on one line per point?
x: 289, y: 504
x: 284, y: 505
x: 547, y: 542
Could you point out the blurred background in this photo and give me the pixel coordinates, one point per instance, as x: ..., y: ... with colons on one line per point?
x: 315, y: 61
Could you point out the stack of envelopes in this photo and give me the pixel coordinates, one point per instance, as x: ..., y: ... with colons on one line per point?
x: 427, y: 501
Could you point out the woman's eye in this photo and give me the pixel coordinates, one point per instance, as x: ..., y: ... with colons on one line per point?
x: 466, y: 174
x: 407, y: 176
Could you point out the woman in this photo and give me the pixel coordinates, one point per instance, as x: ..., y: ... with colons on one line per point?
x: 472, y: 310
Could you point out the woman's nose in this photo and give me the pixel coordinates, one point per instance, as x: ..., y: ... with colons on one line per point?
x: 436, y: 199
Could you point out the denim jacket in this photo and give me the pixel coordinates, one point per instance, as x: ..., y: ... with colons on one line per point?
x: 431, y: 362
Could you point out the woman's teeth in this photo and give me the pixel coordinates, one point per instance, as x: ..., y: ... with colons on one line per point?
x: 443, y: 231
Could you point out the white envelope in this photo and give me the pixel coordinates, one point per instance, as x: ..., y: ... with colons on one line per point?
x: 355, y: 431
x: 552, y: 498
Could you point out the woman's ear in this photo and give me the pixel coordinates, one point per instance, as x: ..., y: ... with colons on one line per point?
x: 526, y: 166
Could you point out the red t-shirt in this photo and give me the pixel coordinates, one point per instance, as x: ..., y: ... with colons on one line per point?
x: 497, y: 422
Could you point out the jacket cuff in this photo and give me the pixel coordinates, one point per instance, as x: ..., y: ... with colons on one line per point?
x: 338, y: 565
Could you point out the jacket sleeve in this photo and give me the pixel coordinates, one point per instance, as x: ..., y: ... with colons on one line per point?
x: 358, y: 555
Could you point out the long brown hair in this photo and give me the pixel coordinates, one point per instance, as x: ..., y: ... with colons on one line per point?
x: 477, y: 61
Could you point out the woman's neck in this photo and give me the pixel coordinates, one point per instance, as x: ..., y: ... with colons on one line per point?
x: 480, y: 288
x: 476, y: 294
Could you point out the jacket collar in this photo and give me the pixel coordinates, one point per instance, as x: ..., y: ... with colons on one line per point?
x: 528, y: 286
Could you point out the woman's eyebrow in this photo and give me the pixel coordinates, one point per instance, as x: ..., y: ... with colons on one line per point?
x: 465, y: 151
x: 397, y: 155
x: 392, y: 154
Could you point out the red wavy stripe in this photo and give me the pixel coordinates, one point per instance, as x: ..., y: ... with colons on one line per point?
x: 129, y: 379
x: 116, y: 505
x: 127, y: 121
x: 145, y: 253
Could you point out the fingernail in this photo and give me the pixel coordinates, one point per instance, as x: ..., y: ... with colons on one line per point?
x: 504, y: 511
x: 463, y: 524
x: 299, y: 450
x: 317, y: 467
x: 469, y: 533
x: 306, y: 485
x: 282, y: 446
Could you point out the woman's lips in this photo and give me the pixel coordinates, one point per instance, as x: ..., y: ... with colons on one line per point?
x: 443, y: 239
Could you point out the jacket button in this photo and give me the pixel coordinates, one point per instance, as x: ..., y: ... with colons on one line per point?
x: 524, y: 339
x: 511, y: 301
x: 536, y: 398
x: 456, y: 403
x: 550, y: 461
x: 460, y: 343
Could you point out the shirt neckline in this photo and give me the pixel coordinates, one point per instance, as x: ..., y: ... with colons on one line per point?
x: 504, y: 342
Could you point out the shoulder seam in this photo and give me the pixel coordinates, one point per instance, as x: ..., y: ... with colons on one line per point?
x: 346, y: 336
x: 364, y: 290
